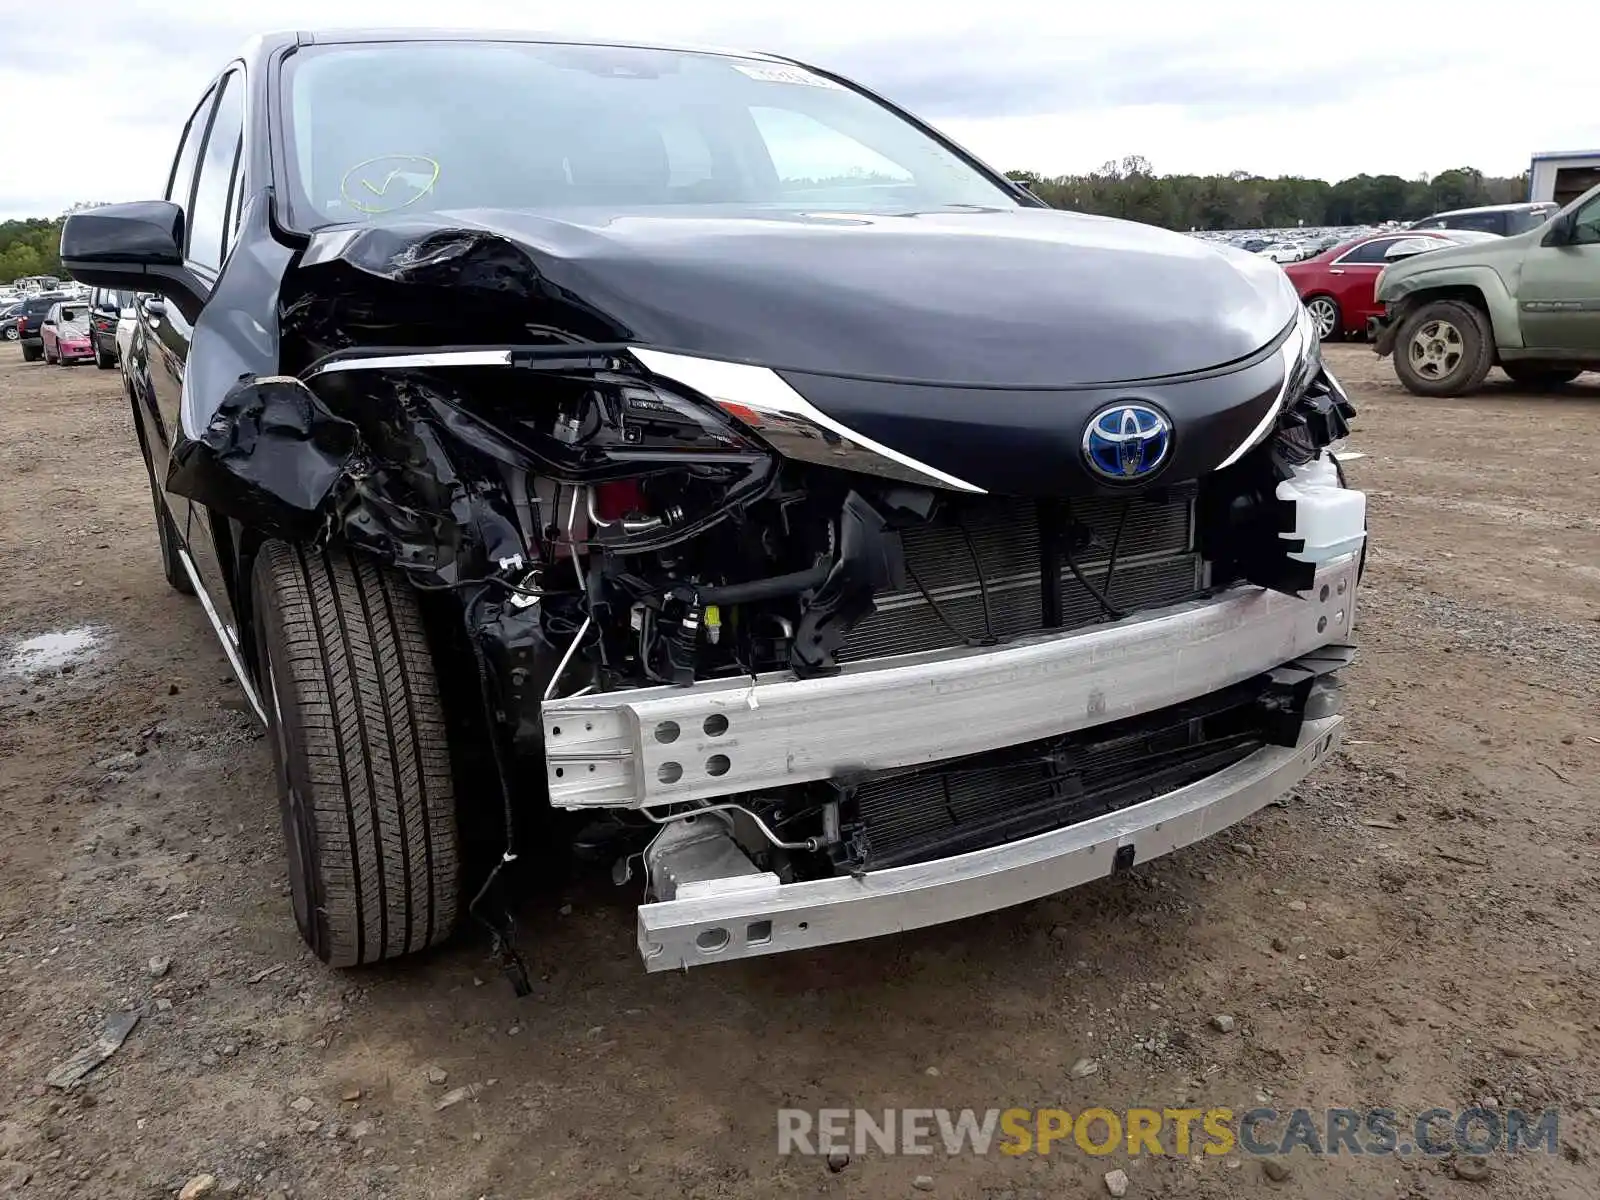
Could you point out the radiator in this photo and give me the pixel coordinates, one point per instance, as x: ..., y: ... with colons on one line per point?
x: 990, y: 548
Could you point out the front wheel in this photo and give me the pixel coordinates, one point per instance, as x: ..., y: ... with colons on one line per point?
x: 1444, y: 348
x: 103, y: 360
x: 11, y: 334
x: 1534, y: 376
x: 361, y: 754
x: 1324, y: 313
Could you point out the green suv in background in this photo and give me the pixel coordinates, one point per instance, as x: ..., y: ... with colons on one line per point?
x: 1529, y: 304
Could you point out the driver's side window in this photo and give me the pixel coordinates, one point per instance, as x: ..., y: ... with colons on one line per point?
x: 1586, y: 229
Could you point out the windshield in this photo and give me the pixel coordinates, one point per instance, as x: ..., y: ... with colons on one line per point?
x: 73, y: 321
x: 377, y: 128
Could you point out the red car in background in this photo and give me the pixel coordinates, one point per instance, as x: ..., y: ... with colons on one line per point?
x: 1337, y: 285
x: 65, y: 333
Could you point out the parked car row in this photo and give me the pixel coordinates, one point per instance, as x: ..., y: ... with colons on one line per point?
x: 1284, y: 246
x: 56, y: 327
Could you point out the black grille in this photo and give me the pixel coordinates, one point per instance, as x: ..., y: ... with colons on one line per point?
x: 989, y: 799
x: 1156, y: 565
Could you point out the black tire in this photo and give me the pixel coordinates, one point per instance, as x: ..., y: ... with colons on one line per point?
x: 11, y: 334
x: 1532, y: 375
x: 1465, y: 349
x: 362, y: 756
x: 103, y: 360
x: 32, y: 353
x: 1315, y: 305
x: 48, y: 361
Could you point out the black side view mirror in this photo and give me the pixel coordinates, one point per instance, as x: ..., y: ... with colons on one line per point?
x: 137, y: 246
x: 1562, y: 231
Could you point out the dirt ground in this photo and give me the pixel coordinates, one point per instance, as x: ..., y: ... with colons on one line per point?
x: 1416, y: 927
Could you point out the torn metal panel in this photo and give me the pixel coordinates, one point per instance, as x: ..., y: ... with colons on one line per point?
x: 269, y: 455
x: 276, y: 457
x: 425, y: 285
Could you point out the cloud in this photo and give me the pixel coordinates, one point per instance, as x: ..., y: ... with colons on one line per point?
x: 1025, y: 83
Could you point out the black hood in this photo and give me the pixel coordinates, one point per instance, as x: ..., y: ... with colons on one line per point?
x: 1026, y: 297
x: 979, y: 343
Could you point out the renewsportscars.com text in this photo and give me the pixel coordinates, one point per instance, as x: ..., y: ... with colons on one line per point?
x: 1161, y: 1131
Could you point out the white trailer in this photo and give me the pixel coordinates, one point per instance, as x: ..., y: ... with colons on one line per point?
x: 1563, y: 175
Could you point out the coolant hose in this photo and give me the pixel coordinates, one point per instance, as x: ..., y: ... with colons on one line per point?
x: 777, y: 586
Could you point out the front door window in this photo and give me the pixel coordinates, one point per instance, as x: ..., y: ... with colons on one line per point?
x: 1586, y: 230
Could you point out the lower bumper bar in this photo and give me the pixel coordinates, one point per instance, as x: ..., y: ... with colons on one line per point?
x: 767, y: 919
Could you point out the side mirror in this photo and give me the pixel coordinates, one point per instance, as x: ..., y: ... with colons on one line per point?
x: 154, y: 306
x: 136, y: 246
x: 1562, y: 231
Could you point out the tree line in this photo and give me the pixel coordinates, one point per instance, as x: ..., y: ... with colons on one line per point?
x: 30, y: 247
x: 1129, y: 188
x: 33, y: 246
x: 1132, y: 190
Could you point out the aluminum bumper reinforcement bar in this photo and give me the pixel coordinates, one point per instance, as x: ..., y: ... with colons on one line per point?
x: 663, y: 745
x: 758, y: 915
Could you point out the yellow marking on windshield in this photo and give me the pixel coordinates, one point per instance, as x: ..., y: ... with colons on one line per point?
x: 418, y: 172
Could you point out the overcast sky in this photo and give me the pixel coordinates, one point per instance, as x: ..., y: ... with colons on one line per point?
x: 1310, y: 89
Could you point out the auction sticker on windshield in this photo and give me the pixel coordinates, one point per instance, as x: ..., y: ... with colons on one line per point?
x: 781, y: 73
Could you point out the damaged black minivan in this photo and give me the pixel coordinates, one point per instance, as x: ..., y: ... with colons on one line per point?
x: 689, y: 462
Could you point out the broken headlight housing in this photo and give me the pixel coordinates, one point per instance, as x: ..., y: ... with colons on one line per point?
x: 612, y: 425
x: 1320, y: 417
x: 1301, y: 355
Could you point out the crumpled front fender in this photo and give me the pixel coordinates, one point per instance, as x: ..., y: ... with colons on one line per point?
x: 1400, y: 292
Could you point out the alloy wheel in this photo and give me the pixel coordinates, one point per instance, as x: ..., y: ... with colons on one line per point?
x: 1323, y: 315
x: 1436, y: 350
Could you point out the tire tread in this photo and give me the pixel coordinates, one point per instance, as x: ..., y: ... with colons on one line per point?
x: 371, y: 735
